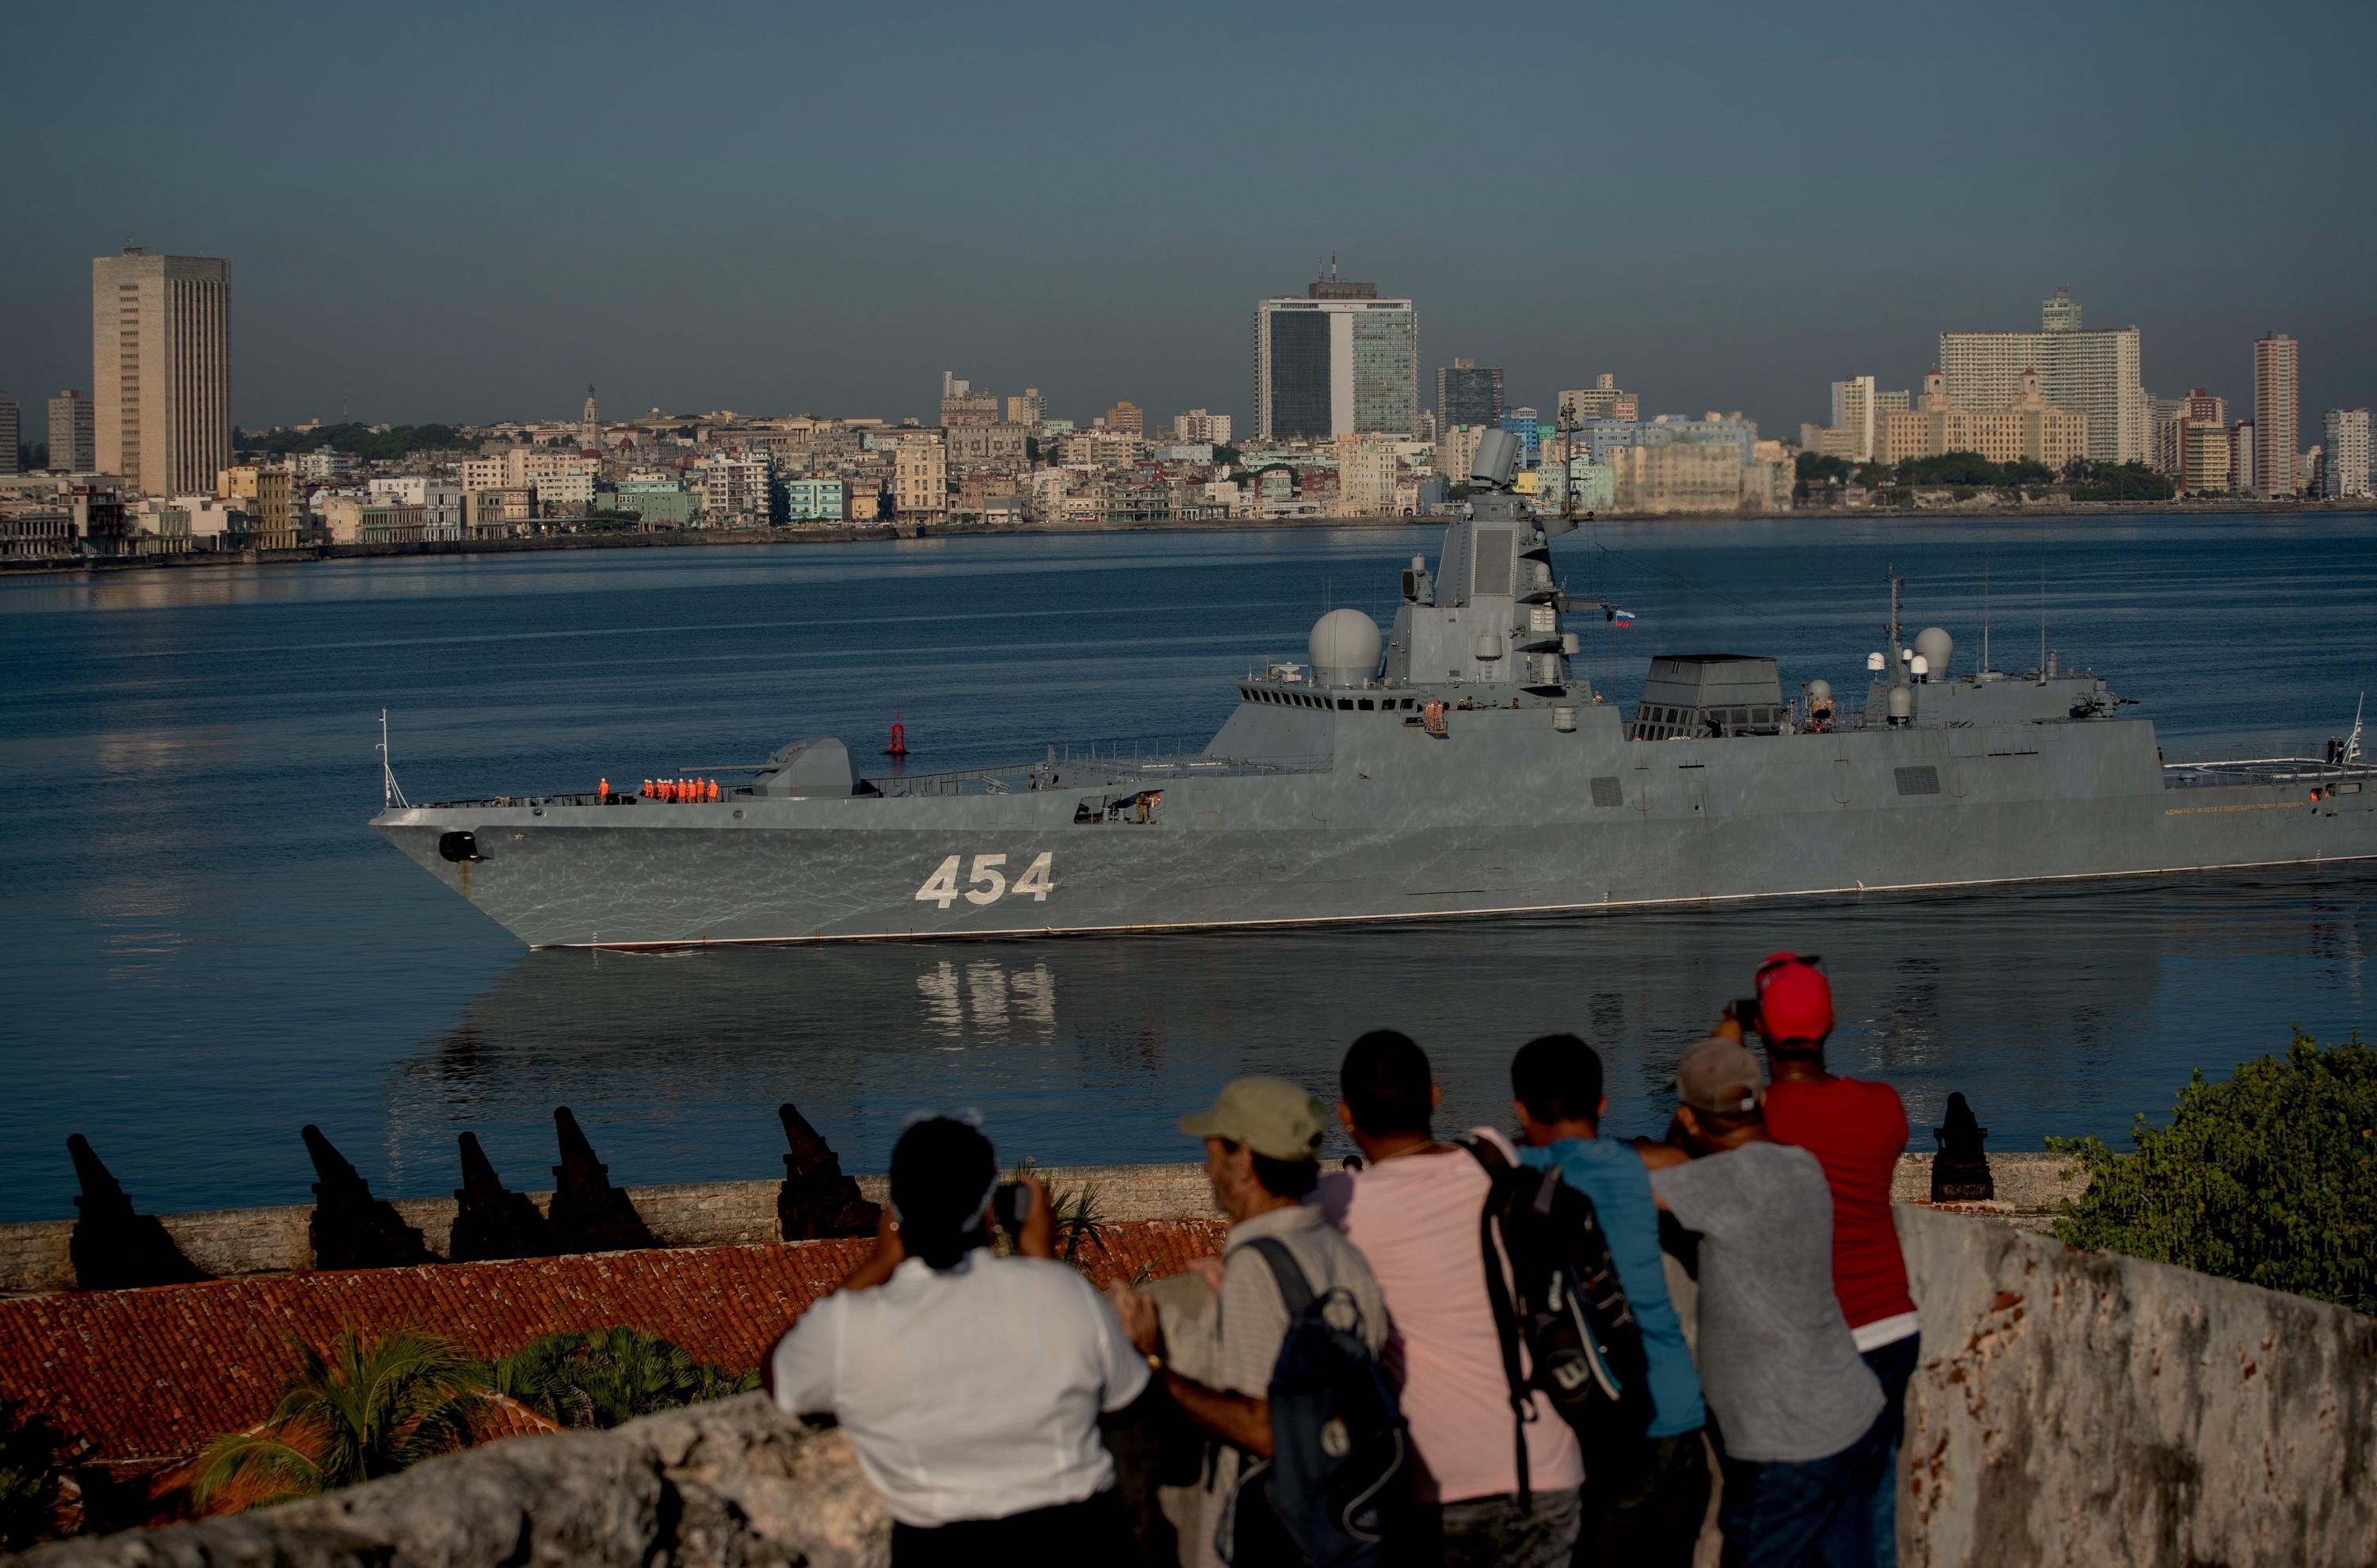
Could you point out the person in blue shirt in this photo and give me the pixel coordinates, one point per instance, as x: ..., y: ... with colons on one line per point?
x: 1650, y: 1514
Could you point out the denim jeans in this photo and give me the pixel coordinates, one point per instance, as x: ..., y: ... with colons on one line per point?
x: 1648, y: 1515
x: 1490, y: 1532
x: 1894, y: 1364
x: 1781, y: 1514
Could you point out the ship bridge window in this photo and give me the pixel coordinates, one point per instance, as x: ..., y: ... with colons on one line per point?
x: 1367, y: 706
x: 1345, y: 704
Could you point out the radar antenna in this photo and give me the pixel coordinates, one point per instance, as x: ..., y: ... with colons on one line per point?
x: 2352, y: 741
x: 391, y: 796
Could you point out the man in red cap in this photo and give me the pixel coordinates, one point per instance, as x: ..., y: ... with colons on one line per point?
x: 1856, y: 1129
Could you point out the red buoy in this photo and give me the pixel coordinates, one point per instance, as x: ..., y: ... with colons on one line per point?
x: 899, y: 747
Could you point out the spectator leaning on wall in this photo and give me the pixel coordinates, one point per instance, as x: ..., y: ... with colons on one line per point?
x: 1800, y: 1419
x: 971, y: 1385
x: 1856, y: 1129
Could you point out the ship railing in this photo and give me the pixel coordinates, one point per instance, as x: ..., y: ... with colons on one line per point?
x: 2307, y: 771
x: 1152, y: 759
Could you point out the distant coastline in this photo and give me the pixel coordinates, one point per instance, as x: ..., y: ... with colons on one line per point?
x: 630, y: 539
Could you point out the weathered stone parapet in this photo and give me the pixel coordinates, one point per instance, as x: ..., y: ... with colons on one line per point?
x: 2082, y: 1407
x: 729, y: 1483
x: 2072, y: 1409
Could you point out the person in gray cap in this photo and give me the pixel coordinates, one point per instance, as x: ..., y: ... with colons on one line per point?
x: 1262, y: 1154
x: 1800, y: 1419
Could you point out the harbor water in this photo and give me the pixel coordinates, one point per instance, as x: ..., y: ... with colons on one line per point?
x: 206, y: 948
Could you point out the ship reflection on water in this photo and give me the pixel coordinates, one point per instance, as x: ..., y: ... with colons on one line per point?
x: 2061, y: 1009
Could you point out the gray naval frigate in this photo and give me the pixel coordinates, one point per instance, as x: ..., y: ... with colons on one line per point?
x: 1457, y: 766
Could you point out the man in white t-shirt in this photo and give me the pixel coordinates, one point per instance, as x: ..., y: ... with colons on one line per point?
x: 970, y: 1385
x: 1415, y: 1210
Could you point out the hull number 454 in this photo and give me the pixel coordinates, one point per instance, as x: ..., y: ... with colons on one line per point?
x: 986, y: 880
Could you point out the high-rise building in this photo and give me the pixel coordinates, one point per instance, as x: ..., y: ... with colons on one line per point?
x: 1602, y: 399
x: 1127, y: 417
x: 2277, y: 397
x: 160, y: 369
x: 73, y: 444
x: 2027, y: 429
x: 1468, y: 393
x: 2347, y: 470
x: 1027, y: 409
x: 2094, y: 373
x: 1338, y: 362
x: 7, y: 434
x: 1198, y: 425
x: 2241, y: 457
x: 2175, y: 422
x: 1853, y: 414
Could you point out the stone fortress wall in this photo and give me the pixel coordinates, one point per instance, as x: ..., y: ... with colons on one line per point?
x: 36, y: 1257
x: 2071, y: 1408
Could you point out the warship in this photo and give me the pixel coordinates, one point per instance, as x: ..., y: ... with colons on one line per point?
x: 1455, y: 766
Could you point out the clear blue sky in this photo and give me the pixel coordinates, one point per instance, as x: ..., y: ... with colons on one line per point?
x: 468, y: 213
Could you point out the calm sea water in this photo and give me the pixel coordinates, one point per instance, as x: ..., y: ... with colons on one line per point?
x: 206, y: 948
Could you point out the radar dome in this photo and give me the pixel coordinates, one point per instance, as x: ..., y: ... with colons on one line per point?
x: 1935, y: 645
x: 1344, y: 647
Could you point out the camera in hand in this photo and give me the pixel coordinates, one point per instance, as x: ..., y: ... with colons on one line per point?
x: 1010, y: 1204
x: 1744, y: 1012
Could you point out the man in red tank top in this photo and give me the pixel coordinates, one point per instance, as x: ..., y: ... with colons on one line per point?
x: 1856, y: 1129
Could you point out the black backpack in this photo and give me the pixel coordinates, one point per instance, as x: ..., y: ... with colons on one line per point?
x: 1566, y: 1305
x: 1335, y: 1483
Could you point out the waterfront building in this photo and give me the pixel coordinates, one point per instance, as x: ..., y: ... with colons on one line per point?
x: 2027, y: 428
x: 2277, y: 395
x: 1468, y: 393
x: 2176, y: 420
x: 1198, y: 425
x: 74, y: 441
x: 1597, y: 438
x: 1677, y: 476
x: 2092, y: 373
x: 732, y: 489
x: 920, y: 478
x: 1853, y: 416
x: 1338, y: 362
x: 8, y: 464
x: 440, y: 501
x: 160, y: 369
x: 1602, y: 399
x: 2205, y: 471
x: 358, y: 519
x: 1127, y: 417
x: 814, y: 499
x: 1367, y: 471
x: 2346, y: 471
x: 2241, y: 457
x: 502, y: 510
x: 655, y: 502
x: 271, y: 492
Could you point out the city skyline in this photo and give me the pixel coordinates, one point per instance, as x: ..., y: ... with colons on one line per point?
x: 494, y: 245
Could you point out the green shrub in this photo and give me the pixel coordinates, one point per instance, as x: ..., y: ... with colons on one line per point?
x: 608, y: 1378
x: 2269, y: 1178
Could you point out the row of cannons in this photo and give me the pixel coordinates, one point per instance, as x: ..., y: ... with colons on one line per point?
x: 115, y: 1248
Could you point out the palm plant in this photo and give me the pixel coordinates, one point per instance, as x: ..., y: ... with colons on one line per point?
x: 610, y: 1376
x: 365, y: 1410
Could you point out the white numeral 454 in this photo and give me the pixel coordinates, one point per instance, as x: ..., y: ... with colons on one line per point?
x: 987, y: 883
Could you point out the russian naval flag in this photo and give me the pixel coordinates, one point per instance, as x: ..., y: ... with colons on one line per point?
x: 1622, y: 619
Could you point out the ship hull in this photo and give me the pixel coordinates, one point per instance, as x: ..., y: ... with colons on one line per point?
x: 1504, y: 815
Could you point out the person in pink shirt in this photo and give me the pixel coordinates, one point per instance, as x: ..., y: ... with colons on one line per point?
x: 1493, y: 1488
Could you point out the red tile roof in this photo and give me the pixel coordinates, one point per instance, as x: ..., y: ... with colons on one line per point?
x: 150, y: 1375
